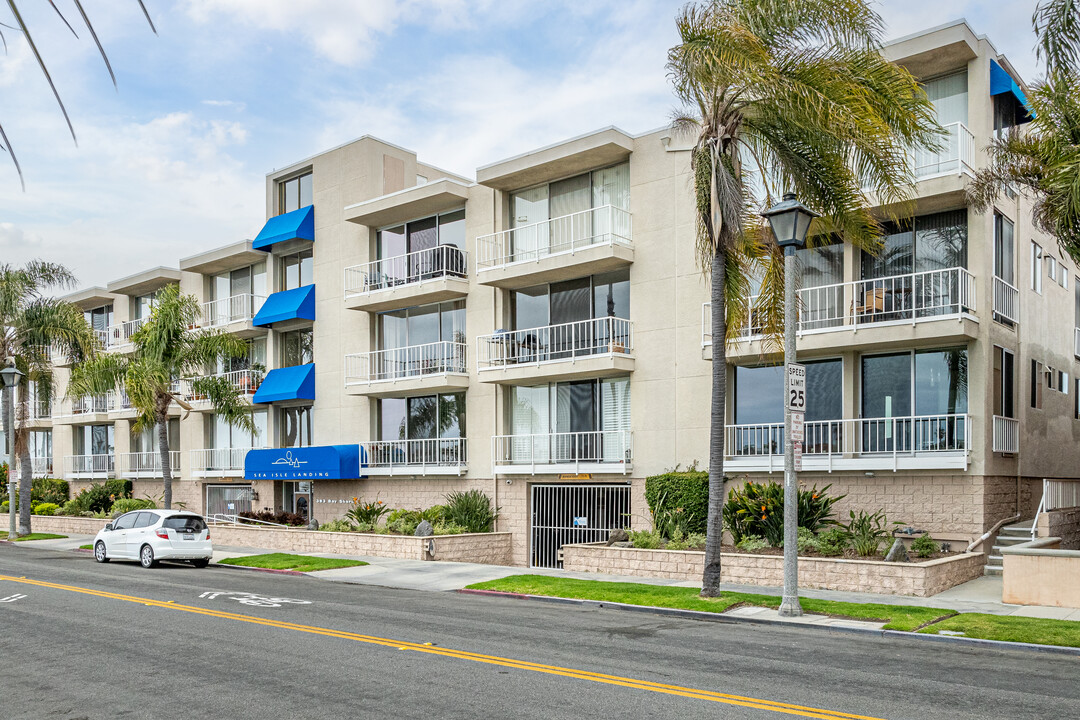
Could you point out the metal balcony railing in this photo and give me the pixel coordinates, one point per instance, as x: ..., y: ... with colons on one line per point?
x: 41, y: 466
x: 568, y: 341
x: 89, y: 405
x: 568, y: 448
x: 237, y: 308
x: 1006, y: 435
x: 147, y: 464
x: 96, y: 465
x: 415, y: 267
x: 218, y: 459
x: 1006, y: 301
x: 956, y: 155
x: 245, y: 381
x: 406, y: 362
x: 416, y: 456
x: 605, y: 225
x: 119, y: 335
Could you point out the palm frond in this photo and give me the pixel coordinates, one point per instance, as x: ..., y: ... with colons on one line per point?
x: 1057, y: 27
x: 93, y: 34
x: 41, y: 64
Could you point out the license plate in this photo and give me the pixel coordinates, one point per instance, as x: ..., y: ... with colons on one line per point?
x: 189, y: 536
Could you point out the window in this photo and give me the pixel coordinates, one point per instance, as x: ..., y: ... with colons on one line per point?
x: 1036, y: 385
x: 422, y: 325
x: 1004, y: 383
x: 421, y: 249
x: 295, y: 193
x: 185, y: 523
x: 596, y: 296
x: 576, y: 420
x: 1076, y: 400
x: 93, y: 439
x: 1036, y: 269
x: 1063, y: 276
x: 1004, y: 262
x: 822, y: 267
x: 147, y: 440
x: 294, y: 426
x: 250, y: 280
x: 142, y: 306
x: 221, y: 435
x: 39, y: 442
x: 100, y: 318
x: 1051, y: 268
x: 254, y: 360
x: 297, y: 270
x: 145, y: 519
x: 297, y: 348
x: 427, y: 417
x: 125, y: 522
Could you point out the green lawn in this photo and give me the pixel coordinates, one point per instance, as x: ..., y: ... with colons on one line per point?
x: 285, y: 561
x: 895, y: 617
x: 33, y: 536
x: 86, y: 547
x: 1039, y: 631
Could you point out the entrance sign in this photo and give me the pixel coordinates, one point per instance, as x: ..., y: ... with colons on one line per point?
x: 327, y: 462
x: 796, y: 387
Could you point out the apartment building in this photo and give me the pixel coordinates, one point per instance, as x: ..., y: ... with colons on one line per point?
x: 540, y: 333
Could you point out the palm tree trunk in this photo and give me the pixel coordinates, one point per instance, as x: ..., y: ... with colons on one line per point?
x: 8, y: 437
x: 710, y: 582
x: 166, y: 468
x: 26, y: 474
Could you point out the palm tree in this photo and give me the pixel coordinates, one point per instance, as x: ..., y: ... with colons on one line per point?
x: 794, y: 92
x: 166, y: 350
x: 1042, y: 162
x: 32, y: 326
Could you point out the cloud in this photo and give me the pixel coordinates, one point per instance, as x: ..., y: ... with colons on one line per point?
x: 230, y: 104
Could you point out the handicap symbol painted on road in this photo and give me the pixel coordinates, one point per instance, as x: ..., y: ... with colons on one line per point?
x: 253, y: 599
x: 12, y: 598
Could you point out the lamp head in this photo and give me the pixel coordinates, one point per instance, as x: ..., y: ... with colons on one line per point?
x: 790, y: 221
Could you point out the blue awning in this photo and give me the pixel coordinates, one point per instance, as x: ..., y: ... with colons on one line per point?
x: 290, y: 383
x: 295, y: 304
x: 289, y: 226
x: 1002, y: 82
x: 322, y: 462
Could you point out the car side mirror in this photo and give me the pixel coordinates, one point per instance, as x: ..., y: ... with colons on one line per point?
x: 108, y: 527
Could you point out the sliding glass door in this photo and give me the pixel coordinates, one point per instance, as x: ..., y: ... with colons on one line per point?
x: 585, y: 420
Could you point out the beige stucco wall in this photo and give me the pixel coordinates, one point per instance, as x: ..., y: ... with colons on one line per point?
x: 1043, y: 575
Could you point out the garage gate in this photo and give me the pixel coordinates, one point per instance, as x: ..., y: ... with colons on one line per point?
x: 227, y: 499
x: 568, y: 514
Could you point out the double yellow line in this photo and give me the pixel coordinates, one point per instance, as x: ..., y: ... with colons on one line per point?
x: 724, y: 698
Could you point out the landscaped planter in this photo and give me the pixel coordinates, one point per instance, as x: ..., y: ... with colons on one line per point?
x: 486, y: 548
x: 873, y: 576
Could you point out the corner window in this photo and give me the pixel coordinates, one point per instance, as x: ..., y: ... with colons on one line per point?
x: 1036, y: 269
x: 295, y: 193
x: 297, y: 348
x: 294, y: 427
x: 297, y: 270
x: 1036, y: 385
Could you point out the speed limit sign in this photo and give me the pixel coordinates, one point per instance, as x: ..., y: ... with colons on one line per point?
x: 796, y: 387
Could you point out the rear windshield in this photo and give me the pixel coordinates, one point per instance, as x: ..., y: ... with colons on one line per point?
x: 185, y: 523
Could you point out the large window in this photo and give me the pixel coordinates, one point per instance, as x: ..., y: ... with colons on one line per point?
x: 297, y: 270
x: 147, y: 440
x: 1004, y: 249
x: 583, y: 420
x: 1004, y: 383
x: 294, y: 426
x: 421, y: 249
x: 219, y: 434
x: 759, y: 401
x: 427, y: 417
x: 297, y: 348
x: 295, y: 193
x: 100, y: 318
x: 93, y: 439
x: 255, y: 358
x: 250, y: 280
x: 1036, y: 267
x: 415, y: 340
x: 39, y: 442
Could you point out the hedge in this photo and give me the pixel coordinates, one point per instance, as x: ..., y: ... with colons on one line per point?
x: 688, y: 489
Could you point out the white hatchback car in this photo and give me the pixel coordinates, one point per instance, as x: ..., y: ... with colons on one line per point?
x: 152, y: 535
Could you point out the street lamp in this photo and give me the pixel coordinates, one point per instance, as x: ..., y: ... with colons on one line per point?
x: 790, y: 221
x: 11, y: 376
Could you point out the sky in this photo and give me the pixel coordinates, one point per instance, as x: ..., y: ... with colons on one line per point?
x: 173, y: 161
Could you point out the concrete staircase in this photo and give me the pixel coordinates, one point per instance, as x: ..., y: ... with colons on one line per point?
x: 1008, y: 536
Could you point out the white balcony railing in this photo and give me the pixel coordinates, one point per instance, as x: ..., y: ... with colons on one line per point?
x: 956, y: 155
x: 245, y: 382
x: 568, y: 449
x: 405, y: 362
x: 35, y: 410
x: 218, y: 459
x: 911, y: 297
x: 147, y: 464
x: 1006, y: 435
x: 1006, y: 301
x: 41, y: 466
x: 95, y: 465
x: 119, y: 335
x: 224, y: 312
x: 553, y: 343
x: 89, y: 405
x: 415, y: 267
x: 415, y: 457
x: 605, y: 225
x: 833, y: 440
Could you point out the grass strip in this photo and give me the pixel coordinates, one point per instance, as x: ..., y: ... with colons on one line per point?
x: 285, y: 561
x: 86, y: 547
x: 35, y: 536
x: 1011, y: 628
x: 895, y: 617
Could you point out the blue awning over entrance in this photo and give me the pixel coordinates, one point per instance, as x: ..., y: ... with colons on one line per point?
x: 290, y: 383
x: 295, y: 304
x: 289, y: 226
x: 1001, y: 82
x: 322, y: 462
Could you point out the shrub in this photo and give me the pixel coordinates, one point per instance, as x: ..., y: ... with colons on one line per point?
x: 691, y: 541
x: 451, y: 529
x: 118, y: 488
x: 281, y: 518
x: 403, y: 522
x: 46, y: 509
x: 49, y: 490
x: 684, y: 494
x: 752, y: 543
x: 339, y: 525
x: 71, y: 507
x: 867, y: 531
x: 367, y: 513
x: 364, y: 528
x: 833, y: 542
x: 123, y: 505
x: 646, y: 539
x: 471, y: 510
x: 758, y: 509
x: 96, y: 498
x: 5, y: 506
x: 435, y: 514
x: 924, y: 546
x: 807, y: 540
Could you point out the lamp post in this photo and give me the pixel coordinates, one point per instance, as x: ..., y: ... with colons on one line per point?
x: 11, y: 377
x: 790, y: 221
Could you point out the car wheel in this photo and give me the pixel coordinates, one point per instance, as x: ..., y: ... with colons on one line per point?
x: 99, y: 552
x: 146, y: 557
x: 201, y: 562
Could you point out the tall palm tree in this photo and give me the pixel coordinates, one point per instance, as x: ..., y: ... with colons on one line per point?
x: 1043, y: 161
x: 796, y: 93
x: 32, y: 326
x: 165, y: 351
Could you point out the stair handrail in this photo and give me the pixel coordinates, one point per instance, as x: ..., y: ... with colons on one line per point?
x: 1042, y: 504
x: 986, y: 535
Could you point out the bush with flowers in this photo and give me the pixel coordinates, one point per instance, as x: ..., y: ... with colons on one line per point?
x: 758, y: 509
x: 367, y: 513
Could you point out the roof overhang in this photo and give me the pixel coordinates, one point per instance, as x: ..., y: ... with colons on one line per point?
x: 578, y: 155
x: 414, y: 202
x: 222, y: 259
x: 90, y: 298
x: 145, y: 282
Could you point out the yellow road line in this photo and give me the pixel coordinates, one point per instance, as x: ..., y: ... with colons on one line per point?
x: 710, y: 695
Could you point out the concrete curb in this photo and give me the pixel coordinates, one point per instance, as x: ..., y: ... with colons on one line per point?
x: 724, y: 618
x: 258, y: 569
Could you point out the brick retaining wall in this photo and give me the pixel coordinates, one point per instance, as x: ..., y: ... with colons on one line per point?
x: 921, y: 579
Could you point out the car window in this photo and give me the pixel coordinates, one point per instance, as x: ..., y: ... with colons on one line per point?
x: 145, y: 519
x: 124, y: 522
x: 185, y: 523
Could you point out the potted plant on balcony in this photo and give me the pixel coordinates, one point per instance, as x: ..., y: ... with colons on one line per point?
x: 249, y: 382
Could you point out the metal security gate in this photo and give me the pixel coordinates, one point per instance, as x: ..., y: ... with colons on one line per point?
x: 568, y: 514
x: 228, y: 499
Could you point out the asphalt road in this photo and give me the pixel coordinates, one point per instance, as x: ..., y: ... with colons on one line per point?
x: 117, y: 641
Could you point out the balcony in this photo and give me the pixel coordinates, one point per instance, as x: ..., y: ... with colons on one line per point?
x: 924, y: 442
x: 233, y: 314
x: 218, y: 462
x: 442, y: 456
x: 41, y: 466
x: 245, y: 382
x: 1006, y: 435
x: 596, y: 452
x: 36, y: 413
x: 118, y: 337
x: 1006, y: 302
x: 89, y: 467
x: 889, y: 302
x: 425, y: 276
x: 407, y: 370
x: 582, y: 243
x: 143, y: 465
x: 85, y: 410
x: 601, y: 347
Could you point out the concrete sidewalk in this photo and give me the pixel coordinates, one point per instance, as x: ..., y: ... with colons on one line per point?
x: 982, y: 595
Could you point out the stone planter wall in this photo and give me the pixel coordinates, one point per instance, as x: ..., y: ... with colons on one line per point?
x: 921, y: 579
x: 487, y: 548
x: 1041, y: 572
